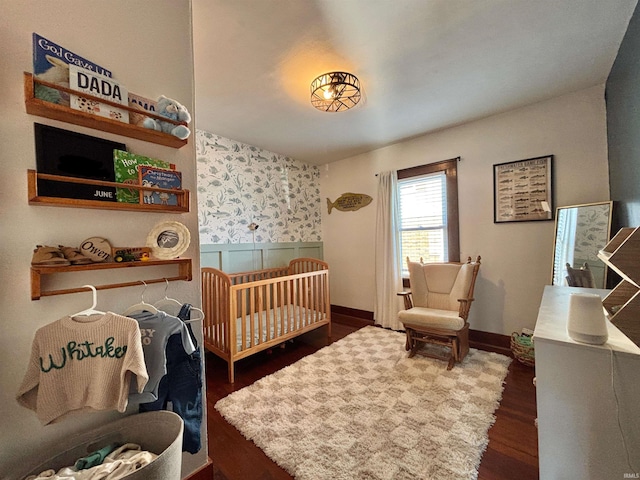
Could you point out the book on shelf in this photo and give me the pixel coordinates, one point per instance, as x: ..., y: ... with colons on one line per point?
x: 159, y: 178
x: 62, y: 152
x: 51, y: 64
x: 126, y: 165
x: 98, y: 86
x: 144, y: 105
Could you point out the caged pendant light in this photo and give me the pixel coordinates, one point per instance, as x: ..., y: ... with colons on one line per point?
x: 335, y: 91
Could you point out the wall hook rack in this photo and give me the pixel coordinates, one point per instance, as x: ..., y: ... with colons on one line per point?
x: 184, y: 265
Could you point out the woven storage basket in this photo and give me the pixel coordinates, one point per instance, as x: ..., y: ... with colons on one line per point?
x: 522, y: 348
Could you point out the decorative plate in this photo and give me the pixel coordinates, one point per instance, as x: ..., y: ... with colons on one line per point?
x: 168, y: 240
x: 98, y: 249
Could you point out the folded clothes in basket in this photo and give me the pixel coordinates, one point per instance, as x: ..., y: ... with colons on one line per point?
x: 95, y: 458
x: 119, y: 463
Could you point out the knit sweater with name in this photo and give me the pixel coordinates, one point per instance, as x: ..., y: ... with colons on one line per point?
x: 83, y: 363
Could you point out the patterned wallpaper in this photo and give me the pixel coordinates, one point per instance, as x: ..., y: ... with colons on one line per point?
x: 591, y: 231
x: 239, y: 184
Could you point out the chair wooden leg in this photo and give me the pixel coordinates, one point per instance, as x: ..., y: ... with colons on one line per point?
x: 452, y: 362
x: 411, y: 344
x: 408, y: 342
x: 455, y: 349
x: 463, y: 342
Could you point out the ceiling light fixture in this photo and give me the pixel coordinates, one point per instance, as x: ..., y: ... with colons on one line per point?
x: 335, y: 91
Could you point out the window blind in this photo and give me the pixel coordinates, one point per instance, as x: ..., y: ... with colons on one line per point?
x: 423, y: 213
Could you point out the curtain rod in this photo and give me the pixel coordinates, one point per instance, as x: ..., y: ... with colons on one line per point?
x: 458, y: 158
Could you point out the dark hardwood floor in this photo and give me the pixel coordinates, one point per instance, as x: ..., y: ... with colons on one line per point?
x: 513, y: 443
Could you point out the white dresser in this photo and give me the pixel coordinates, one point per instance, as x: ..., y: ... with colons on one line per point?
x: 578, y: 430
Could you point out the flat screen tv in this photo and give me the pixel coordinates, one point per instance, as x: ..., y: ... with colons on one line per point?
x: 72, y: 154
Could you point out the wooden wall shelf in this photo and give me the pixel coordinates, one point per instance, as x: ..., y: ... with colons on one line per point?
x: 622, y: 254
x: 184, y: 273
x: 34, y: 199
x: 41, y: 108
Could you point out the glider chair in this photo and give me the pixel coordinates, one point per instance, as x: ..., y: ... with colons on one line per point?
x: 580, y: 277
x: 437, y: 308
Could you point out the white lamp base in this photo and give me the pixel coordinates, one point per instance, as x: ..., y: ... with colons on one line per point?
x: 586, y: 338
x: 587, y: 322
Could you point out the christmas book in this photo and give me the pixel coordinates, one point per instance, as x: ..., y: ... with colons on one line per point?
x: 159, y: 178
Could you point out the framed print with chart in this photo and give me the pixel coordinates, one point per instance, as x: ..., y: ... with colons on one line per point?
x: 523, y: 190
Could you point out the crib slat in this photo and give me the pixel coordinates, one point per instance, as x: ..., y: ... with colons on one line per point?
x: 243, y: 315
x: 281, y: 304
x: 267, y: 308
x: 253, y: 309
x: 300, y: 310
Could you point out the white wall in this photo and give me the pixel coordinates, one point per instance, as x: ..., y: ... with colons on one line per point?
x: 516, y: 257
x: 148, y: 47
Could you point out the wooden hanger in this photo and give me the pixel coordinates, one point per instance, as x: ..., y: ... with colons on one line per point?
x: 141, y: 306
x: 91, y: 310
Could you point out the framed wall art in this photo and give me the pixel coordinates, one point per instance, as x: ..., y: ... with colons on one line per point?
x: 523, y: 190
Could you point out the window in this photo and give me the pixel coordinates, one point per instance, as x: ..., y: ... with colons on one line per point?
x: 428, y: 197
x: 423, y: 212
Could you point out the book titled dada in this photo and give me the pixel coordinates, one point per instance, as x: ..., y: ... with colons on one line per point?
x: 98, y: 86
x: 126, y: 165
x: 159, y: 178
x: 51, y: 64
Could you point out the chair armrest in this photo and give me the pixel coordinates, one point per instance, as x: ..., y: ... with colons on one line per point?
x: 465, y: 305
x: 408, y: 303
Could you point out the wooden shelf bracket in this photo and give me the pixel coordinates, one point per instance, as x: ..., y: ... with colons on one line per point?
x: 185, y: 273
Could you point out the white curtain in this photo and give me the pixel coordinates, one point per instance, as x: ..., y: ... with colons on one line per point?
x: 565, y: 244
x: 387, y: 250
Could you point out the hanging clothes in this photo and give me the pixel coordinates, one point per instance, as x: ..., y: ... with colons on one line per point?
x: 83, y: 363
x: 155, y: 330
x: 182, y: 386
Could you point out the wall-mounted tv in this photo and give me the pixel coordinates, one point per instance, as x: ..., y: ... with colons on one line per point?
x: 72, y: 154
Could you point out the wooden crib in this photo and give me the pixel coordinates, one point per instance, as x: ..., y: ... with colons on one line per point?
x: 248, y: 312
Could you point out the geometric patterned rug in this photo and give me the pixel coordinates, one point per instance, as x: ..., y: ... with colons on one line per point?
x: 360, y: 409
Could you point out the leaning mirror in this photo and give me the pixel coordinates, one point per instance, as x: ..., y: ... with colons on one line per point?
x: 581, y: 231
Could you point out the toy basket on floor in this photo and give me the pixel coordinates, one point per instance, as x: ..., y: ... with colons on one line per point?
x: 522, y: 348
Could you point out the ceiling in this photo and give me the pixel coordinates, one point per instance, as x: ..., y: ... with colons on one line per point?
x: 424, y: 65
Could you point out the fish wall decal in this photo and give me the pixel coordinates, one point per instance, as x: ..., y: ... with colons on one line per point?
x: 349, y: 202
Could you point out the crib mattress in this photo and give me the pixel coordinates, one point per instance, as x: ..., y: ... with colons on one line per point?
x: 274, y: 324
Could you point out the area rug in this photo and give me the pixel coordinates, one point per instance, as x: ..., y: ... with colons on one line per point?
x: 360, y: 409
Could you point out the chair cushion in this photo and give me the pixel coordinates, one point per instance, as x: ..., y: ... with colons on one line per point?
x: 430, y: 317
x: 439, y: 285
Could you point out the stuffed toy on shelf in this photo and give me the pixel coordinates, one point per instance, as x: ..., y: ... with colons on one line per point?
x: 173, y: 110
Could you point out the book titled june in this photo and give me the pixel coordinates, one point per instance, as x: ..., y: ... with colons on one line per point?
x: 51, y: 64
x: 126, y: 165
x: 86, y: 81
x: 159, y: 178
